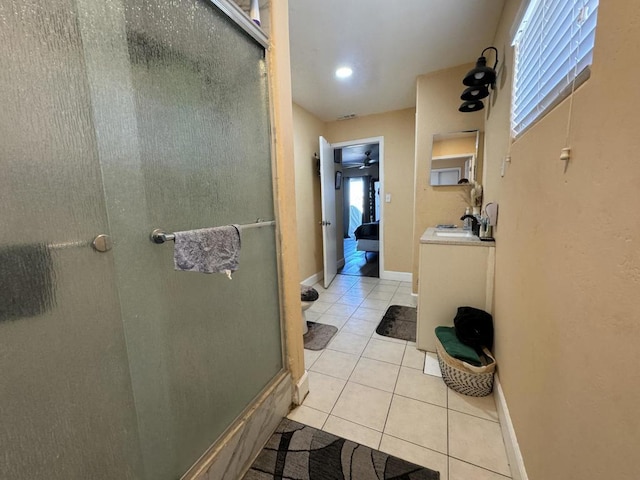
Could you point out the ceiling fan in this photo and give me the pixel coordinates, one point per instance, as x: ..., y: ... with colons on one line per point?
x: 367, y: 162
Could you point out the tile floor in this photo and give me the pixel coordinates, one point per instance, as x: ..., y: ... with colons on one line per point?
x: 371, y: 389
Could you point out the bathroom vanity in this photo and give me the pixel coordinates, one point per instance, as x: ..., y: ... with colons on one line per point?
x: 456, y: 269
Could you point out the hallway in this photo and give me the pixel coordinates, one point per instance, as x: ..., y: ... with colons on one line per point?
x: 371, y: 389
x: 358, y: 263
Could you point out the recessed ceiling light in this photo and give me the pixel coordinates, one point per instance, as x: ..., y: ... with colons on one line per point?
x: 344, y: 72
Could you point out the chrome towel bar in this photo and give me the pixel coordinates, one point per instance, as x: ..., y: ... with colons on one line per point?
x: 160, y: 236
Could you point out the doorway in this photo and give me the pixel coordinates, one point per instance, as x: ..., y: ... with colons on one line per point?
x: 360, y: 162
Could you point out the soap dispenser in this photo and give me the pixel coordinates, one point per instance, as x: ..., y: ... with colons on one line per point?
x: 467, y: 221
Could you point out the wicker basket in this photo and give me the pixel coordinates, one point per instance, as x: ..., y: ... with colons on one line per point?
x: 463, y: 377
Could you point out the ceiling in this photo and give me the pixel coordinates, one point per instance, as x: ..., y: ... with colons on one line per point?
x: 386, y: 43
x: 356, y: 154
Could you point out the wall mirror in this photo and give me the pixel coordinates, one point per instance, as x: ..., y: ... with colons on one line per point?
x: 454, y: 157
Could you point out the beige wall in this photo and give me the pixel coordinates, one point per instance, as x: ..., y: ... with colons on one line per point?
x: 306, y: 130
x: 437, y: 102
x: 398, y: 130
x: 454, y: 146
x: 568, y: 264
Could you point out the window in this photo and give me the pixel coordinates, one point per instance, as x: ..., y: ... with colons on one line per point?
x: 553, y: 49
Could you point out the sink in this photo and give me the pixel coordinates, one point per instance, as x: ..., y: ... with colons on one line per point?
x: 454, y: 234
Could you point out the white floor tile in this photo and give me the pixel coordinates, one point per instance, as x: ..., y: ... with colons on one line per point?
x: 463, y: 471
x: 477, y: 441
x: 483, y: 407
x: 413, y: 358
x: 369, y: 314
x: 337, y: 321
x: 348, y: 343
x: 431, y: 365
x: 418, y: 422
x: 319, y: 306
x: 353, y: 431
x: 329, y: 297
x: 403, y: 299
x: 416, y: 454
x: 369, y: 280
x: 335, y: 364
x: 354, y: 300
x: 323, y: 391
x: 310, y: 356
x: 388, y: 339
x: 363, y: 405
x: 376, y: 374
x: 384, y: 288
x: 375, y: 304
x: 340, y: 309
x: 345, y: 280
x: 382, y: 296
x: 351, y: 383
x: 415, y: 384
x: 360, y: 327
x: 360, y: 290
x: 308, y: 416
x: 385, y: 351
x: 404, y: 290
x: 336, y: 289
x: 312, y: 316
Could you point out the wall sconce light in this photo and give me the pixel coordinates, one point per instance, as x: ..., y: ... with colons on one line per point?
x: 472, y: 106
x: 478, y: 81
x: 475, y: 93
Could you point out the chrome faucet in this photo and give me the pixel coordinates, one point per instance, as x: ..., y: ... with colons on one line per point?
x: 475, y: 224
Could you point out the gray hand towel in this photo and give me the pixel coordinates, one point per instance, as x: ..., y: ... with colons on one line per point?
x: 208, y: 250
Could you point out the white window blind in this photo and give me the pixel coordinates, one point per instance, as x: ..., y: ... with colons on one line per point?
x: 553, y: 46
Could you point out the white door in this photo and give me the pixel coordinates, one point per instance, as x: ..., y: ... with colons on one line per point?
x: 328, y: 193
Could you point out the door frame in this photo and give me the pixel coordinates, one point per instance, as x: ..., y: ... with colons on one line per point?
x: 380, y: 142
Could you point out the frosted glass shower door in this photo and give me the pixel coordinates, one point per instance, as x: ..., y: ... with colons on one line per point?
x: 66, y: 405
x: 188, y: 90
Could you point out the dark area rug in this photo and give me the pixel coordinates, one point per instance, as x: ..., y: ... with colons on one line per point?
x: 297, y: 451
x: 399, y: 322
x: 318, y: 335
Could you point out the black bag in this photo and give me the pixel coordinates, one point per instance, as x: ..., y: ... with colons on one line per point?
x: 474, y: 327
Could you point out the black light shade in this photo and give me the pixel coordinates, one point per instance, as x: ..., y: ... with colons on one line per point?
x: 475, y: 93
x: 481, y: 75
x: 472, y: 106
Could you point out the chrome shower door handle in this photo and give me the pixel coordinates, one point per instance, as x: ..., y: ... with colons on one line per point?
x: 102, y: 243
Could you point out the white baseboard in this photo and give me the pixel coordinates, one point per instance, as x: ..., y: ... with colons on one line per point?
x: 398, y: 276
x: 301, y: 389
x: 514, y: 455
x: 313, y: 279
x: 385, y: 275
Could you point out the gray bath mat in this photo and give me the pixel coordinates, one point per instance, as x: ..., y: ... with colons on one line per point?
x: 399, y: 322
x: 305, y: 453
x: 318, y: 335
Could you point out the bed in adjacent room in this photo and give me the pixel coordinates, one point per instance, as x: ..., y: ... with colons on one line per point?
x: 368, y: 237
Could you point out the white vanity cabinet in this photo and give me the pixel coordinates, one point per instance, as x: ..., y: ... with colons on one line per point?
x: 455, y: 271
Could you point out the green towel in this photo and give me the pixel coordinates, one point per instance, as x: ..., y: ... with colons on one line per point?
x: 455, y: 348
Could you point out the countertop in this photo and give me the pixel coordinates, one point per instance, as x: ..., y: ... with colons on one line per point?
x: 431, y: 236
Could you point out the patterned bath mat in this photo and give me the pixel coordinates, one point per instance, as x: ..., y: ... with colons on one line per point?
x: 399, y: 322
x: 297, y: 451
x: 318, y: 336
